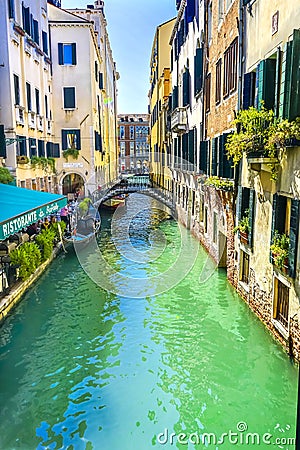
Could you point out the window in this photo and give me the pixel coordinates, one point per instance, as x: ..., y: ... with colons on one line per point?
x: 67, y: 54
x: 246, y: 208
x: 285, y: 220
x: 11, y: 9
x: 52, y: 150
x: 45, y: 42
x: 221, y: 10
x: 26, y: 19
x: 131, y: 132
x: 32, y: 147
x: 101, y: 85
x: 70, y: 139
x: 215, y: 228
x: 69, y: 97
x: 35, y: 31
x: 131, y: 148
x: 205, y: 219
x: 37, y: 101
x: 281, y: 303
x: 41, y: 148
x: 21, y: 146
x: 218, y: 81
x: 244, y: 267
x: 198, y: 70
x: 122, y: 149
x: 122, y: 132
x: 46, y: 107
x: 28, y: 97
x: 17, y: 89
x: 207, y: 93
x: 230, y: 68
x: 186, y: 82
x: 96, y: 71
x: 209, y: 22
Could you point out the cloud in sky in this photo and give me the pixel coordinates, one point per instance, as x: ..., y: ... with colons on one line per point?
x: 131, y: 28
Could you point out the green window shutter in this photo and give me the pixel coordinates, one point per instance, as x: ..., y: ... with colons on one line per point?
x: 74, y: 60
x: 2, y: 142
x: 269, y: 78
x: 294, y: 232
x: 278, y: 216
x: 295, y: 77
x: 239, y: 203
x: 285, y: 87
x: 55, y: 151
x: 259, y: 83
x: 60, y: 54
x: 77, y: 132
x: 227, y: 163
x: 203, y: 156
x: 185, y: 137
x: 221, y: 150
x: 214, y: 152
x: 198, y: 71
x: 191, y: 156
x: 64, y: 139
x: 277, y: 81
x: 251, y: 216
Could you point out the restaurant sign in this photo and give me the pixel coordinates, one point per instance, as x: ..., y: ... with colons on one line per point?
x: 13, y: 225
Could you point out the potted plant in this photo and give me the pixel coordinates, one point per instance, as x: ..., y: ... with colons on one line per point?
x: 243, y: 227
x: 280, y: 250
x: 261, y: 136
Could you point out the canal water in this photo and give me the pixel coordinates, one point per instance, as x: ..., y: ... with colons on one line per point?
x: 179, y: 368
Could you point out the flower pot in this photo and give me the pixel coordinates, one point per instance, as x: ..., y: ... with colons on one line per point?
x: 243, y: 237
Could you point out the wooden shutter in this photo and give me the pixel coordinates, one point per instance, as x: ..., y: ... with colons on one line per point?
x: 198, y: 70
x: 191, y: 157
x: 41, y: 148
x: 277, y: 81
x: 203, y: 156
x: 60, y: 54
x: 278, y: 216
x: 186, y: 87
x: 190, y: 6
x: 227, y: 163
x: 74, y: 57
x: 295, y: 78
x: 175, y: 97
x: 239, y: 203
x: 77, y: 132
x: 248, y: 88
x: 11, y: 9
x: 221, y: 150
x: 251, y: 216
x: 285, y: 87
x: 214, y: 152
x: 55, y: 151
x: 294, y: 232
x: 36, y: 34
x: 69, y: 97
x: 64, y: 142
x: 185, y: 137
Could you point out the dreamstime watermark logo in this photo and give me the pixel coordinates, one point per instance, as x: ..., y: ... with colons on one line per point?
x: 108, y: 275
x: 240, y: 436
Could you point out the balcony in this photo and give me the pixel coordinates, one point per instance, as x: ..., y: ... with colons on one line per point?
x: 179, y: 120
x: 31, y: 120
x: 20, y: 115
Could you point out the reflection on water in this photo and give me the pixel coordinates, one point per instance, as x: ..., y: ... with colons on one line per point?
x: 81, y: 368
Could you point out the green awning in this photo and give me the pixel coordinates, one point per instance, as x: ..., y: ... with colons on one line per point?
x: 20, y: 207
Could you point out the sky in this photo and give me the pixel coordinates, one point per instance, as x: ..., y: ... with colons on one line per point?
x: 131, y: 28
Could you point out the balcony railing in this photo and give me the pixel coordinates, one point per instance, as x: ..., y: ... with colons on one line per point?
x: 19, y: 115
x: 31, y: 120
x: 179, y: 120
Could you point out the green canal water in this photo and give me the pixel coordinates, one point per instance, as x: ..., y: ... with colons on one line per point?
x: 81, y: 368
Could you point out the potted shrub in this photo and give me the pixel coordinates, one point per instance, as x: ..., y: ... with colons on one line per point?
x: 280, y: 250
x: 243, y: 228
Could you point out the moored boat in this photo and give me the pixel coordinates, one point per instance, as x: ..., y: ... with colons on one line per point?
x: 114, y: 202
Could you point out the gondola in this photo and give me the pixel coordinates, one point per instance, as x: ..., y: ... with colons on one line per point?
x: 83, y: 232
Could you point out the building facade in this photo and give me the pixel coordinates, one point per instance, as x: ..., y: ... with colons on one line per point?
x: 226, y: 57
x: 133, y: 143
x: 26, y: 93
x: 71, y: 143
x: 85, y: 125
